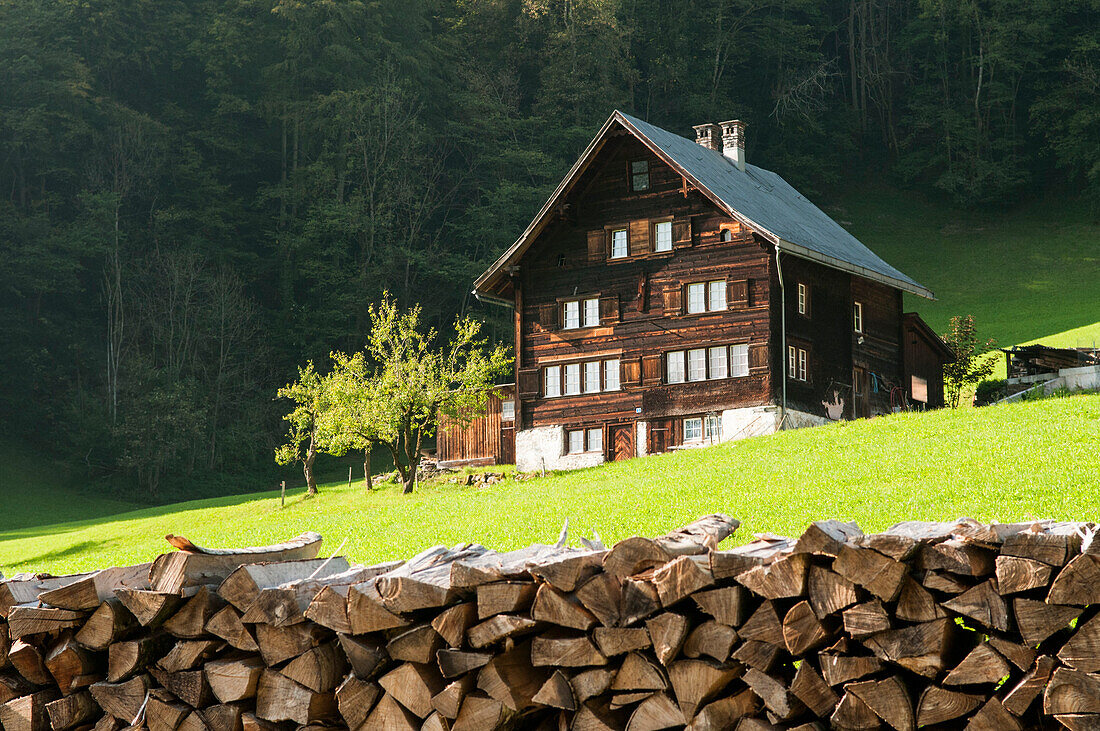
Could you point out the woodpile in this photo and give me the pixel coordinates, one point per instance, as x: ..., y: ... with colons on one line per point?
x: 956, y: 625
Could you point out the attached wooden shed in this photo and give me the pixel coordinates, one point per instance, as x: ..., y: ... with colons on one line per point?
x: 489, y: 439
x: 923, y: 359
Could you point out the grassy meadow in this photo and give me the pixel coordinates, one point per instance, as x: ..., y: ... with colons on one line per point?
x: 1007, y: 463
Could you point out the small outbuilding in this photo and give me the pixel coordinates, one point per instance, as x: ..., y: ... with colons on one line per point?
x: 489, y: 439
x: 924, y: 355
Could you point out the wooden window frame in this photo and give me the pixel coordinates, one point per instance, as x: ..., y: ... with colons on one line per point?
x: 546, y: 379
x: 803, y: 299
x: 725, y: 350
x: 565, y: 379
x: 684, y: 429
x: 706, y: 367
x: 503, y: 412
x: 653, y: 224
x: 617, y: 370
x: 583, y: 366
x: 730, y: 359
x: 715, y: 419
x: 708, y: 373
x: 630, y: 175
x: 683, y: 369
x: 798, y: 362
x: 584, y: 376
x: 707, y: 284
x: 611, y: 231
x: 857, y: 317
x: 582, y: 308
x: 586, y: 439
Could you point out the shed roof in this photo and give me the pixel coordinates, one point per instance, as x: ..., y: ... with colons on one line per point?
x: 759, y: 198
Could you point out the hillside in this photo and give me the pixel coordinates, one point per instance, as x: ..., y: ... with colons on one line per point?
x: 1030, y: 273
x: 1012, y: 462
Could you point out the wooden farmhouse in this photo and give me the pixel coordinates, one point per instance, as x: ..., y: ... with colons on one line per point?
x: 671, y: 295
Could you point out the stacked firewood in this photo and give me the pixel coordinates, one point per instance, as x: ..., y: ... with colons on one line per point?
x: 927, y: 625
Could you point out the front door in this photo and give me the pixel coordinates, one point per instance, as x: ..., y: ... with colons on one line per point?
x: 621, y: 440
x: 860, y: 406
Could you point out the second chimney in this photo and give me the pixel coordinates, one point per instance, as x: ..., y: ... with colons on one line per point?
x: 709, y: 136
x: 733, y: 141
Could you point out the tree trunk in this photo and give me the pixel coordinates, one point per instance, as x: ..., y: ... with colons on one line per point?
x: 307, y: 469
x: 366, y: 468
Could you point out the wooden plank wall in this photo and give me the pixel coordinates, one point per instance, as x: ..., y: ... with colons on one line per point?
x: 479, y: 441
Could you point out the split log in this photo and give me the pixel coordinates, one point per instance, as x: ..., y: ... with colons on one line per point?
x: 27, y: 590
x: 565, y: 652
x: 72, y: 710
x: 944, y: 582
x: 780, y: 701
x: 1015, y: 575
x: 71, y: 666
x: 639, y: 600
x: 878, y: 574
x: 654, y: 713
x: 888, y: 699
x: 1082, y: 651
x: 498, y: 628
x: 494, y: 567
x: 390, y: 715
x: 938, y: 705
x: 418, y: 644
x: 453, y: 622
x: 89, y: 591
x: 619, y: 640
x: 638, y: 675
x: 27, y: 713
x: 164, y: 712
x: 921, y: 648
x: 355, y: 699
x: 568, y: 570
x: 1022, y: 656
x: 722, y: 714
x: 636, y: 554
x: 243, y: 585
x: 223, y: 716
x: 366, y: 611
x: 24, y: 620
x: 109, y: 623
x: 150, y: 608
x: 783, y: 578
x: 591, y: 683
x: 825, y: 537
x: 1053, y: 544
x: 189, y: 686
x: 667, y: 632
x: 556, y: 693
x: 993, y: 717
x: 1071, y: 691
x: 709, y: 638
x: 320, y: 669
x: 554, y: 607
x: 188, y: 655
x: 504, y: 597
x: 983, y: 604
x: 1039, y: 620
x: 682, y: 577
x: 830, y: 592
x: 1078, y: 583
x: 982, y: 665
x: 481, y: 713
x: 958, y: 556
x: 196, y: 566
x: 122, y: 700
x: 14, y: 686
x: 810, y: 688
x: 841, y: 669
x: 602, y: 595
x: 28, y: 662
x: 279, y: 644
x: 864, y: 620
x: 514, y: 677
x: 448, y: 702
x: 234, y: 679
x: 425, y: 581
x: 762, y: 551
x: 366, y: 656
x: 190, y: 621
x: 916, y: 604
x: 763, y: 625
x: 278, y: 698
x: 696, y: 682
x: 453, y: 663
x: 802, y: 630
x: 852, y: 714
x: 226, y: 624
x: 758, y: 655
x: 330, y: 608
x: 413, y: 686
x: 727, y: 604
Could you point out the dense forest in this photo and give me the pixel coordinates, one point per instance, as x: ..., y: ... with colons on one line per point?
x: 198, y: 195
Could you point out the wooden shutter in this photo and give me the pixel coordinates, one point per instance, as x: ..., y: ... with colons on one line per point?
x: 597, y: 245
x: 643, y: 292
x: 528, y: 383
x: 739, y: 293
x: 681, y: 233
x: 609, y: 309
x: 549, y: 316
x: 758, y: 356
x: 631, y: 373
x: 673, y: 296
x: 638, y: 236
x: 651, y: 370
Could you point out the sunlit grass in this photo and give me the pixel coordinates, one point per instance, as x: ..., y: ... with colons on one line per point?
x: 1007, y: 463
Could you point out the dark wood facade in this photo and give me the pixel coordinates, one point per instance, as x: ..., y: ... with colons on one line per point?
x: 611, y: 278
x: 488, y: 439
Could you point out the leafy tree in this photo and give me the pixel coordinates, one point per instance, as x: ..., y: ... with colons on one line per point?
x: 416, y: 380
x: 356, y: 417
x: 971, y: 365
x: 304, y: 438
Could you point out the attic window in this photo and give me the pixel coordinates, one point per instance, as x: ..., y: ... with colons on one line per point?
x: 561, y: 260
x: 726, y: 235
x: 639, y: 175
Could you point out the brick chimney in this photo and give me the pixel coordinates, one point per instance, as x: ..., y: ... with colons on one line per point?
x: 709, y: 135
x: 733, y: 141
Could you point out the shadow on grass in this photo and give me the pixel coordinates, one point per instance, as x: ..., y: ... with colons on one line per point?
x: 73, y: 550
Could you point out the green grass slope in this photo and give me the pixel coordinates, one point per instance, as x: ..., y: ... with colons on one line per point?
x: 1012, y: 462
x: 1026, y: 274
x: 34, y: 492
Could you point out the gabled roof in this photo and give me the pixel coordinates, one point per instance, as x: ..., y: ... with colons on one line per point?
x: 759, y: 198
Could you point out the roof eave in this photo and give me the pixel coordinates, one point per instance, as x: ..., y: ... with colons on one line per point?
x: 833, y: 262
